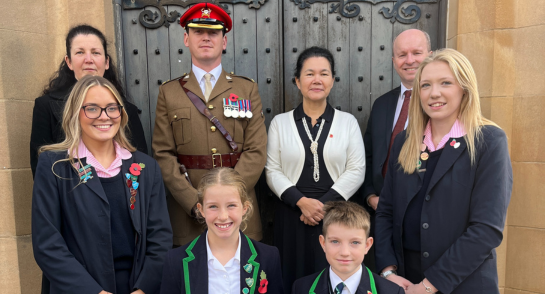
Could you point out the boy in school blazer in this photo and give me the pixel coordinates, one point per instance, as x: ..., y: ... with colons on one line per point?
x: 345, y: 242
x: 186, y: 268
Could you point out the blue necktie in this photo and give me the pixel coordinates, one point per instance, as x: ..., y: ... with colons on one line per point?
x: 339, y: 288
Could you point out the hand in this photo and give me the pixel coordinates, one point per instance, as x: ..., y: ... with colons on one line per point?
x: 420, y: 289
x: 138, y: 292
x: 104, y: 292
x: 401, y: 281
x: 311, y: 209
x: 306, y: 221
x: 373, y: 201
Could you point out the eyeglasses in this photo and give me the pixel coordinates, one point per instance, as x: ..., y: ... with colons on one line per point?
x: 93, y: 111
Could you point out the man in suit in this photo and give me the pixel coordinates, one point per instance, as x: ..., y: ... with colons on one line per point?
x: 389, y: 117
x: 232, y: 134
x: 389, y: 113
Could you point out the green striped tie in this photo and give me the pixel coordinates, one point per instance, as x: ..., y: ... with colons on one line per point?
x: 339, y: 288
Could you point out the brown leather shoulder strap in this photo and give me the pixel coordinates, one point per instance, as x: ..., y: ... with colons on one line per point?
x: 204, y: 111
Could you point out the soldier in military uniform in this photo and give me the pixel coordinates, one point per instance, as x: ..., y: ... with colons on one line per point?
x: 183, y: 135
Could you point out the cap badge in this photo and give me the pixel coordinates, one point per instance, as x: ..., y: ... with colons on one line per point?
x: 206, y: 12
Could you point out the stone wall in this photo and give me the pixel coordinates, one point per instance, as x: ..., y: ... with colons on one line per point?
x: 504, y: 40
x: 32, y: 46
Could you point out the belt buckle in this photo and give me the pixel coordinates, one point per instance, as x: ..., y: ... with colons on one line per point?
x: 214, y: 160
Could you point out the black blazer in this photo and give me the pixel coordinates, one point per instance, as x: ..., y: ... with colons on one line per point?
x: 377, y: 140
x: 303, y: 285
x: 266, y: 259
x: 47, y: 128
x: 462, y: 218
x: 71, y: 228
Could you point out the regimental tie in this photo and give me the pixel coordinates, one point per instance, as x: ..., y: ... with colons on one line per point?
x: 400, y: 126
x: 207, y: 86
x: 339, y: 288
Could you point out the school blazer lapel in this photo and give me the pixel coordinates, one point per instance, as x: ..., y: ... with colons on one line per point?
x: 447, y: 159
x: 195, y: 267
x: 248, y: 258
x: 138, y: 207
x: 390, y: 114
x: 94, y: 183
x: 365, y: 284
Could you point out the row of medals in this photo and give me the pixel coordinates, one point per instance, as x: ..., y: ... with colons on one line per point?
x: 232, y: 111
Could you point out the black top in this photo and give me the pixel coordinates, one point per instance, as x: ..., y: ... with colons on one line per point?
x: 122, y: 231
x: 306, y: 186
x: 412, y: 221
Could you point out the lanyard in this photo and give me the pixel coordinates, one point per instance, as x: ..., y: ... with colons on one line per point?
x: 371, y: 281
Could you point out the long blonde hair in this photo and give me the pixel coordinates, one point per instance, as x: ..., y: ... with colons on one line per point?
x: 70, y: 119
x: 470, y: 108
x: 226, y: 177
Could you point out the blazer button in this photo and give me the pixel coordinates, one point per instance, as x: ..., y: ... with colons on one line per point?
x: 213, y: 128
x: 214, y: 150
x: 210, y: 106
x: 425, y: 226
x: 426, y: 254
x: 428, y: 197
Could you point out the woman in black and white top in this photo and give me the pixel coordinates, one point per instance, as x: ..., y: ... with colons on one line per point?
x: 315, y: 154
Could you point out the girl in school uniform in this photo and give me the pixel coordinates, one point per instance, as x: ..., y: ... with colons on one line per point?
x: 223, y: 259
x: 99, y: 217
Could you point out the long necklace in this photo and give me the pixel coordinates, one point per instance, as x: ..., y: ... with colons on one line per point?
x: 314, y: 148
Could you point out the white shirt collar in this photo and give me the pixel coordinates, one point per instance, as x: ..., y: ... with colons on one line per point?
x: 215, y: 261
x: 199, y: 73
x: 403, y: 89
x: 351, y: 283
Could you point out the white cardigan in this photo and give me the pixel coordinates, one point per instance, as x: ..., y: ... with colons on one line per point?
x: 344, y: 154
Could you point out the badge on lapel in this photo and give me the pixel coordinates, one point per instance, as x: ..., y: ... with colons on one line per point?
x: 132, y: 180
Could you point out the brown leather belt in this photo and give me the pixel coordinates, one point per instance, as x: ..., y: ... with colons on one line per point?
x: 209, y: 161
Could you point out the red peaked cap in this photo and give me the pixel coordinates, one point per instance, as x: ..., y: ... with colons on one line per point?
x: 206, y: 16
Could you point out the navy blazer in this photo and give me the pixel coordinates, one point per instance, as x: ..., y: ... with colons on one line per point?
x: 267, y: 259
x: 462, y: 217
x: 71, y: 227
x: 303, y: 285
x: 377, y: 141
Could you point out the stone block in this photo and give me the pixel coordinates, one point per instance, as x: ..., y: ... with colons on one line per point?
x: 24, y: 64
x: 516, y: 291
x: 30, y: 273
x: 7, y: 215
x: 486, y: 107
x: 15, y: 133
x: 519, y: 13
x: 24, y: 16
x: 476, y: 16
x: 9, y: 265
x: 528, y: 198
x: 528, y: 142
x: 452, y: 19
x: 525, y: 257
x: 453, y: 43
x: 479, y: 49
x: 504, y: 78
x: 21, y: 185
x: 529, y: 60
x: 501, y: 112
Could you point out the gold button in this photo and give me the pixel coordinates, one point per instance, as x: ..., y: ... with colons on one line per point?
x: 213, y: 128
x: 210, y: 106
x: 175, y: 116
x: 214, y: 150
x: 232, y: 72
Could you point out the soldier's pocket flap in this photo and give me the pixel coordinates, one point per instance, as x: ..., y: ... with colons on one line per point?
x: 181, y: 124
x: 179, y: 113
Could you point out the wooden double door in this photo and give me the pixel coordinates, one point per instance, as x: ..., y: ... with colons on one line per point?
x: 266, y: 38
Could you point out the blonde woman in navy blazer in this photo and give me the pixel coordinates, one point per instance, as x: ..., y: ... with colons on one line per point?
x: 95, y: 229
x: 443, y: 206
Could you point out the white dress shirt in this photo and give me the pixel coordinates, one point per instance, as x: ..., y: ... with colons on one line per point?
x: 398, y: 107
x: 199, y: 75
x: 350, y: 285
x: 223, y: 279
